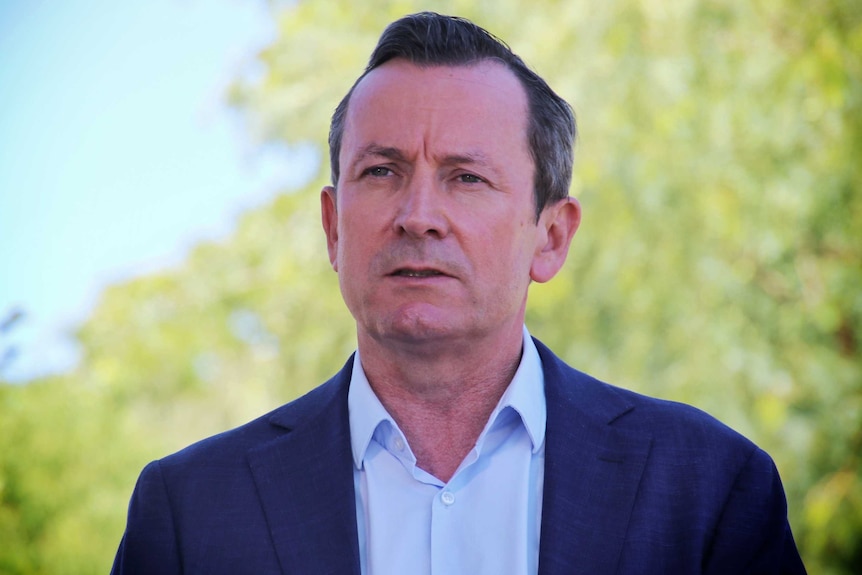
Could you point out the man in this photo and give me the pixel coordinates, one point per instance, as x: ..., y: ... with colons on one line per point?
x: 452, y: 442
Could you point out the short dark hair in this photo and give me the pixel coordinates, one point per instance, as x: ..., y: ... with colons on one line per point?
x: 430, y: 39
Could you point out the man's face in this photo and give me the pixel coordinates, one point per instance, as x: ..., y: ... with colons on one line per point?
x: 432, y: 230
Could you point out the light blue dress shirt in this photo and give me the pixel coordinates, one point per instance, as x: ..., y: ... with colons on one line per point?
x: 485, y: 520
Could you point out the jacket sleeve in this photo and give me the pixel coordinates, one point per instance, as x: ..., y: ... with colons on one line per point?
x: 149, y: 544
x: 753, y: 534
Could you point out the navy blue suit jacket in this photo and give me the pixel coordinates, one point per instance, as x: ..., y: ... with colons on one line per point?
x: 632, y: 485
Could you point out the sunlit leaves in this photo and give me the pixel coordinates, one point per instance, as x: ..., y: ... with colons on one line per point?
x: 719, y: 261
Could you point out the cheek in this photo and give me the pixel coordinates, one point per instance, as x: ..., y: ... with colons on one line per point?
x: 505, y: 253
x: 357, y: 243
x: 519, y: 240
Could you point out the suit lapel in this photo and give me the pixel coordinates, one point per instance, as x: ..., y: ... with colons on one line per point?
x: 305, y: 483
x: 592, y: 472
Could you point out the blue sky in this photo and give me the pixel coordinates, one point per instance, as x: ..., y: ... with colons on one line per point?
x: 117, y: 152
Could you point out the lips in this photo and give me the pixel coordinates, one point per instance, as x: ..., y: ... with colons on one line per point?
x: 411, y: 261
x: 417, y: 273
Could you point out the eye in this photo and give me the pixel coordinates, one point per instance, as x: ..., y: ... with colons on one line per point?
x: 377, y: 172
x: 470, y: 179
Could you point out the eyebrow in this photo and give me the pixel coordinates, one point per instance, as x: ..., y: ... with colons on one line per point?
x: 395, y: 154
x: 380, y: 151
x: 477, y: 158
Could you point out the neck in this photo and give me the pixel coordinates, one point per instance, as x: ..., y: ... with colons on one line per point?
x: 441, y: 399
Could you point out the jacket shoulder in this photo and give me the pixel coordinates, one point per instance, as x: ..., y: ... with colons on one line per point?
x: 672, y: 424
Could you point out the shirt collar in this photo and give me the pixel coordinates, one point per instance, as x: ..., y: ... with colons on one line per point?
x: 525, y: 395
x: 365, y: 412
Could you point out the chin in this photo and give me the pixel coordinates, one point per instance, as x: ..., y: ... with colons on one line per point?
x: 415, y: 327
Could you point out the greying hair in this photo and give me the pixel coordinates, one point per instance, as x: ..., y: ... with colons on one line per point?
x: 430, y: 39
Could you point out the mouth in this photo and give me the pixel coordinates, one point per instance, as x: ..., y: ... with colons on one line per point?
x: 416, y: 273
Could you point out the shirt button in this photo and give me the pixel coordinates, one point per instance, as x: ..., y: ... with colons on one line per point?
x: 399, y: 444
x: 448, y: 498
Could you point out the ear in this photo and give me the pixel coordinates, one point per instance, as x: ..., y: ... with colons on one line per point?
x: 329, y: 217
x: 557, y: 225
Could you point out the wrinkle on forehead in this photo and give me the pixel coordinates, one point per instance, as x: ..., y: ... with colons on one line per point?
x: 480, y: 94
x: 441, y: 81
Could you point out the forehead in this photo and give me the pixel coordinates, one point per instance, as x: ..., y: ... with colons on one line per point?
x: 400, y: 104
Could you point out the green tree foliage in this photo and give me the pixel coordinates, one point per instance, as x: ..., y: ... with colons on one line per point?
x: 66, y: 456
x: 718, y: 262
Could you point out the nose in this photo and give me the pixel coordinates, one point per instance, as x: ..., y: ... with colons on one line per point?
x: 421, y: 212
